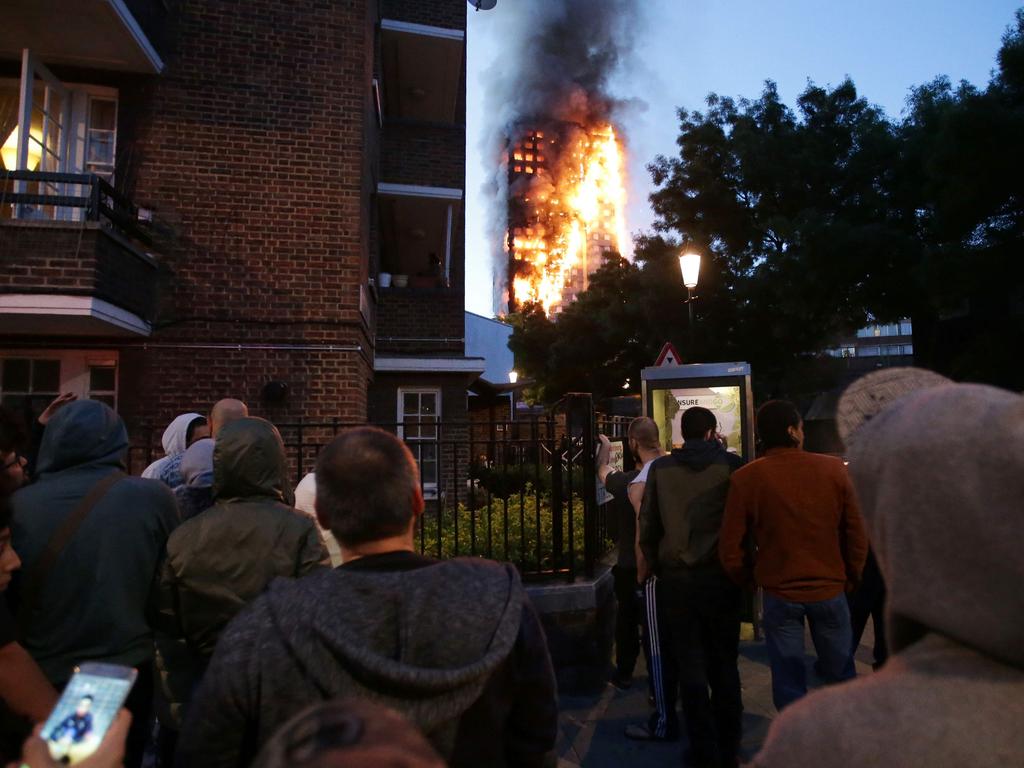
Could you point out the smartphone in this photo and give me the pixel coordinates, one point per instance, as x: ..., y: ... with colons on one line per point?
x: 86, y: 709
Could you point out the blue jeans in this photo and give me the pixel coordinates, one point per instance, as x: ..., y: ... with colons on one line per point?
x: 784, y: 633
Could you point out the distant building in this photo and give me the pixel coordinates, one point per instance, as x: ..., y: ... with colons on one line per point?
x: 540, y: 176
x: 876, y: 346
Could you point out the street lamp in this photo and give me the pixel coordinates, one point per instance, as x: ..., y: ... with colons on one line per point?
x: 513, y: 377
x: 689, y: 265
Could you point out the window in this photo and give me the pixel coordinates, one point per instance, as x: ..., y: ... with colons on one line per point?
x: 27, y: 385
x: 30, y: 380
x: 872, y: 351
x: 100, y: 135
x: 906, y: 328
x: 103, y: 384
x: 419, y: 411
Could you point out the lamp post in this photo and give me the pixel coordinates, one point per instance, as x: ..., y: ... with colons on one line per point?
x: 513, y: 377
x: 689, y: 265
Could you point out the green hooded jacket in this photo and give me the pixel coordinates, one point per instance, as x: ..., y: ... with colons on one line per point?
x: 223, y: 558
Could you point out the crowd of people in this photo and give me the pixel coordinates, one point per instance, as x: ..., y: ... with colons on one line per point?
x: 206, y: 577
x: 273, y: 626
x: 937, y: 470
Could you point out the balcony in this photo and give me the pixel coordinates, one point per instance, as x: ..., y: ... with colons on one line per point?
x: 422, y: 71
x: 94, y: 34
x: 416, y: 229
x: 74, y: 259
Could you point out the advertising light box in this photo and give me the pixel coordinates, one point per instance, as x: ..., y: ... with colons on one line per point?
x: 722, y: 388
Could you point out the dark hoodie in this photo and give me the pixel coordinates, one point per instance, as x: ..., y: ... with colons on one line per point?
x: 92, y: 606
x: 455, y: 646
x: 940, y: 477
x: 683, y: 505
x: 224, y: 557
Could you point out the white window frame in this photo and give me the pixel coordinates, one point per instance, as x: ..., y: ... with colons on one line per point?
x: 429, y: 485
x: 74, y: 367
x: 74, y: 151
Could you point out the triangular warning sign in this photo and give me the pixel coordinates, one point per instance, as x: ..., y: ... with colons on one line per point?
x: 668, y: 356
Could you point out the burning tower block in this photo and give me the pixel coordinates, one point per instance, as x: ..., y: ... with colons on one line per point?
x: 565, y: 210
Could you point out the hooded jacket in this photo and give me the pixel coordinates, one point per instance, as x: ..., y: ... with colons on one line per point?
x: 196, y: 491
x: 92, y: 606
x: 174, y: 442
x: 221, y: 559
x: 224, y: 557
x: 455, y: 646
x: 945, y: 525
x: 683, y: 504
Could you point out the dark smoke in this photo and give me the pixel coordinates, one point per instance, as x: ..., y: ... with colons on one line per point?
x: 555, y: 64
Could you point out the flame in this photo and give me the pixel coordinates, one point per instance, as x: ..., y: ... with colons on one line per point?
x: 571, y: 202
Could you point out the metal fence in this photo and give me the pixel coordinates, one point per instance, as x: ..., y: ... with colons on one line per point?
x: 522, y: 490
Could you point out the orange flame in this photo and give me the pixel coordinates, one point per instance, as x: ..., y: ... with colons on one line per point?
x: 573, y: 213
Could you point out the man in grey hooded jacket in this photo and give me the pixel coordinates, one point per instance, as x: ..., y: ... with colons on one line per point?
x: 940, y: 477
x: 455, y: 646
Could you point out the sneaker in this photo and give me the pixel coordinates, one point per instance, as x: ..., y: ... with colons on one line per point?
x: 643, y: 733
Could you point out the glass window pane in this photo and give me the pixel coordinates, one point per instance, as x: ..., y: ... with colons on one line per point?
x: 46, y: 376
x: 15, y: 375
x: 428, y: 404
x: 101, y: 148
x: 410, y: 403
x: 102, y: 114
x: 908, y: 349
x: 102, y: 378
x: 906, y: 328
x: 108, y: 399
x: 15, y: 402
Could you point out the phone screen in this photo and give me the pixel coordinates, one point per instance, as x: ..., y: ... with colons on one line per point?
x: 86, y: 709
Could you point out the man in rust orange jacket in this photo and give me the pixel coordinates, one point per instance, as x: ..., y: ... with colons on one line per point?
x: 800, y: 511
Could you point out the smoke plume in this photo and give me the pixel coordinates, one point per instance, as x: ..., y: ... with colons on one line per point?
x: 555, y: 64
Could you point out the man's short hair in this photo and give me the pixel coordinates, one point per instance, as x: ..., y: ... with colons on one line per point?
x: 645, y: 431
x: 774, y: 419
x: 696, y: 422
x: 365, y: 482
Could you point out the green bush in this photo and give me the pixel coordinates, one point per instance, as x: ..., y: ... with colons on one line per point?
x: 529, y: 520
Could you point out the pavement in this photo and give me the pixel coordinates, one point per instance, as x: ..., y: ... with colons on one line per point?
x: 591, y: 727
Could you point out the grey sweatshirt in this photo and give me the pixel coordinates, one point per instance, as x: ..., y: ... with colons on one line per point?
x: 455, y: 646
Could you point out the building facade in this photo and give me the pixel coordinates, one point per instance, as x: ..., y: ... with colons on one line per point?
x: 260, y: 199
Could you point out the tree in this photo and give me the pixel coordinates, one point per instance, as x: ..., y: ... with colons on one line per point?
x: 963, y: 174
x: 812, y: 222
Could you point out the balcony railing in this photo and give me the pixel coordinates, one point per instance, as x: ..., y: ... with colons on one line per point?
x: 69, y: 197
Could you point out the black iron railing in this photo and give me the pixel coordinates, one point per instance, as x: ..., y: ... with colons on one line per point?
x: 521, y: 491
x: 57, y: 195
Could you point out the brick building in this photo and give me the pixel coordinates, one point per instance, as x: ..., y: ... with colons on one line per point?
x: 211, y: 196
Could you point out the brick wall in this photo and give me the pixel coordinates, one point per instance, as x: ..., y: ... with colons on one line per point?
x: 75, y: 260
x: 430, y: 155
x: 439, y: 13
x: 254, y: 151
x: 407, y: 315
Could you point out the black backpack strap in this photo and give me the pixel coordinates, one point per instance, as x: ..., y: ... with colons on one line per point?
x: 36, y: 578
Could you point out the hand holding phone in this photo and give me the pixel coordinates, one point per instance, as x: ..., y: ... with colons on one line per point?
x: 109, y: 754
x: 86, y: 709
